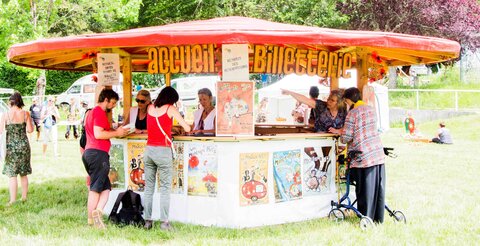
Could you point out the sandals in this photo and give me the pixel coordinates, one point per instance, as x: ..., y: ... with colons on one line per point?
x: 97, y: 219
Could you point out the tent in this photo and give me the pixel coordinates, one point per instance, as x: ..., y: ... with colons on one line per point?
x: 280, y: 106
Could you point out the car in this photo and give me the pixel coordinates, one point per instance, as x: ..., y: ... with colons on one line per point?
x: 188, y: 87
x: 83, y: 90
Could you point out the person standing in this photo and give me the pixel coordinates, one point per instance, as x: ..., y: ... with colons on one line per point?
x: 368, y: 169
x: 35, y: 111
x: 96, y: 158
x: 72, y: 117
x: 159, y: 153
x: 49, y: 118
x: 17, y: 122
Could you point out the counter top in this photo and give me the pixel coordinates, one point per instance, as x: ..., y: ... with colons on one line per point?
x: 277, y: 137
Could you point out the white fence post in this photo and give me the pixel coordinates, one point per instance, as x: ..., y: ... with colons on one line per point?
x: 418, y: 99
x: 456, y: 100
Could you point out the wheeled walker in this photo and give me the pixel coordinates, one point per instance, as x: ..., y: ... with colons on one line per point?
x: 344, y: 203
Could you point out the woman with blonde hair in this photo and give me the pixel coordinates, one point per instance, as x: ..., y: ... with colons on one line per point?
x: 138, y: 115
x: 329, y: 115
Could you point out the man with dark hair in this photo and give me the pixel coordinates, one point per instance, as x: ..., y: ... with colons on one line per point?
x: 314, y: 93
x: 35, y: 111
x: 96, y: 158
x: 368, y: 169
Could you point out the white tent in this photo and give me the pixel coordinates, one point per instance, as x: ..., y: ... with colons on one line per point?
x: 281, y: 106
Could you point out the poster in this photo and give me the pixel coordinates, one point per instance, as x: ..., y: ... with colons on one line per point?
x: 317, y: 166
x: 235, y: 62
x: 202, y: 169
x: 287, y: 175
x: 108, y: 69
x: 253, y: 178
x: 177, y: 173
x: 136, y: 167
x: 234, y: 109
x: 117, y: 168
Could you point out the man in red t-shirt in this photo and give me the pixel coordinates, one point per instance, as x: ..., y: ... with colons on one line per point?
x: 96, y: 158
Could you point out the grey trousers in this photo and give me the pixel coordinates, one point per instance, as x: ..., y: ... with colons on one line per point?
x: 158, y: 159
x: 370, y: 191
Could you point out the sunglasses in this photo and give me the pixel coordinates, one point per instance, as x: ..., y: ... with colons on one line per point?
x: 140, y: 101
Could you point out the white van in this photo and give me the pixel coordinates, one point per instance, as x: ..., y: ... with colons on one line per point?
x: 83, y: 89
x: 188, y: 87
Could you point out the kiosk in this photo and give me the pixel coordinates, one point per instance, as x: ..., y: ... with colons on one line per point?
x: 247, y: 175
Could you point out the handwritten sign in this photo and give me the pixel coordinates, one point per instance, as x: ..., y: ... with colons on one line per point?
x: 234, y: 109
x: 108, y: 69
x: 235, y: 62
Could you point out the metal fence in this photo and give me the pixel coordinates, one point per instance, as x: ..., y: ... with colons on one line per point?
x: 435, y: 99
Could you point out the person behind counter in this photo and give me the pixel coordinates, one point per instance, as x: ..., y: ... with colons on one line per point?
x: 159, y: 153
x: 204, y: 117
x: 139, y: 114
x: 330, y: 115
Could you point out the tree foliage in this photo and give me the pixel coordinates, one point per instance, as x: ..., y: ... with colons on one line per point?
x: 306, y: 12
x: 453, y: 19
x: 26, y: 20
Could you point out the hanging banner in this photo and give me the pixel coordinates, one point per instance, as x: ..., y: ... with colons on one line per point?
x: 108, y: 69
x: 235, y: 62
x: 136, y: 167
x: 202, y: 169
x: 117, y: 168
x: 178, y: 173
x: 234, y: 109
x: 253, y: 178
x: 287, y: 175
x: 318, y: 170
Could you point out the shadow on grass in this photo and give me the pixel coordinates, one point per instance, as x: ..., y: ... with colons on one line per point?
x: 56, y: 210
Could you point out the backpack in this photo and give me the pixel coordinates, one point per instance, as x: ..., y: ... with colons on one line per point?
x: 131, y: 212
x: 83, y: 137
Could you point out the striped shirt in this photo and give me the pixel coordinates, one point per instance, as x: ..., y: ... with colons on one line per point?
x: 360, y: 133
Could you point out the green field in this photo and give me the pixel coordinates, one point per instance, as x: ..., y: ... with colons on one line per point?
x: 434, y: 185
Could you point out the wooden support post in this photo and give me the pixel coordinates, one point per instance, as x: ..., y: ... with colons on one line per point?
x: 168, y: 79
x: 127, y: 84
x: 362, y: 70
x: 334, y: 83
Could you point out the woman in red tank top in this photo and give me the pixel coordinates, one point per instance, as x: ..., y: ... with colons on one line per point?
x: 158, y: 153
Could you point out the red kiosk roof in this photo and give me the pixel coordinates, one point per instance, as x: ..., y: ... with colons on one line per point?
x: 68, y: 53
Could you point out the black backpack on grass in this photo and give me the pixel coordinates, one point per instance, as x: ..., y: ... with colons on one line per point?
x: 131, y: 212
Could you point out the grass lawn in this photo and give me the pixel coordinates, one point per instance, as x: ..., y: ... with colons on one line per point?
x: 434, y: 185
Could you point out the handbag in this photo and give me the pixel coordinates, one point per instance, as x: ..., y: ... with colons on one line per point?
x: 174, y: 153
x: 48, y: 122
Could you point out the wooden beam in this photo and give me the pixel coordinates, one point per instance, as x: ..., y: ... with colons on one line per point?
x: 127, y: 84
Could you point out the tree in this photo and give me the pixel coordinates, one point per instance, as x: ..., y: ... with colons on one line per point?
x: 452, y: 19
x: 306, y: 12
x: 35, y: 19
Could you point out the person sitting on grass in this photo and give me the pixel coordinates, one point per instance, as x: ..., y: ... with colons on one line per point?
x: 443, y: 135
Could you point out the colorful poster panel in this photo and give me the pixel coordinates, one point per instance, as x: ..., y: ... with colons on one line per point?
x: 136, y: 167
x: 234, y: 109
x: 253, y: 178
x: 177, y: 174
x: 316, y: 166
x: 287, y: 175
x: 202, y: 169
x: 117, y: 168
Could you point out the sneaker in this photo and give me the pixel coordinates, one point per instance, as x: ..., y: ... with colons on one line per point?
x: 166, y: 226
x: 148, y: 224
x: 97, y: 219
